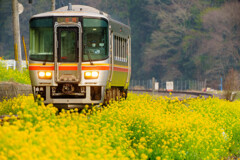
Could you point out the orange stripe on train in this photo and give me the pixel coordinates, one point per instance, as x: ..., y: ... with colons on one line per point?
x: 74, y: 68
x: 119, y: 69
x: 68, y: 68
x: 32, y: 68
x: 104, y: 68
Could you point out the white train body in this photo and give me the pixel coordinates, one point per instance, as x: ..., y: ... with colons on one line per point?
x: 79, y: 56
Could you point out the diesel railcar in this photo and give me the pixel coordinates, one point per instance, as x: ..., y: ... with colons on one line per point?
x: 79, y: 55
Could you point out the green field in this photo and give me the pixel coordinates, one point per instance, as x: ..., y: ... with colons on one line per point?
x: 141, y: 127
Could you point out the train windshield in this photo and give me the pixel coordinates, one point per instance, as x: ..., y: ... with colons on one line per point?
x: 41, y: 39
x: 95, y: 39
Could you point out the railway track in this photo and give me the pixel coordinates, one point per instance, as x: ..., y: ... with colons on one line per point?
x: 180, y: 94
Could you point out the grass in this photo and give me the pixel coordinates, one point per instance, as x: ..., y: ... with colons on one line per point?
x: 141, y: 127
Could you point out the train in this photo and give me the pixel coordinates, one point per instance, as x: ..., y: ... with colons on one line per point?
x: 78, y: 56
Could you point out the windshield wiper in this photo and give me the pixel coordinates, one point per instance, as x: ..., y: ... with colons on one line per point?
x: 45, y: 60
x: 89, y: 57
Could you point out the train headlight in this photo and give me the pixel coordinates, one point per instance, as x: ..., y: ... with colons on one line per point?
x: 49, y: 75
x: 45, y: 75
x: 95, y: 74
x: 91, y: 74
x: 41, y: 74
x: 88, y: 74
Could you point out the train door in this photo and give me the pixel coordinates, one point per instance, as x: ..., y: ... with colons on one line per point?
x: 67, y: 54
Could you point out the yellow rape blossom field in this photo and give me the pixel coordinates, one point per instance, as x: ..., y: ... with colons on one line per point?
x: 14, y: 75
x: 141, y: 127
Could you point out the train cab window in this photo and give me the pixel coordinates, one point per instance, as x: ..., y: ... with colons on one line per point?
x: 41, y: 39
x: 68, y: 47
x: 95, y: 39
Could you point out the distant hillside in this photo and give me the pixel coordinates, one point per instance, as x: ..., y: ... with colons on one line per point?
x: 171, y: 39
x: 194, y: 40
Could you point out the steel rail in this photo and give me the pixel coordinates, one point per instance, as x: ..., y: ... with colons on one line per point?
x: 196, y: 93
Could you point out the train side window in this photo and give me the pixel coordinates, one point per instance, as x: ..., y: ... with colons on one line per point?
x: 115, y: 57
x: 121, y: 49
x: 114, y: 47
x: 126, y: 49
x: 110, y: 41
x: 117, y: 48
x: 129, y: 49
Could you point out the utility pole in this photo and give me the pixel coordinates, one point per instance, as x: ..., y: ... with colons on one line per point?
x: 16, y: 34
x: 53, y: 5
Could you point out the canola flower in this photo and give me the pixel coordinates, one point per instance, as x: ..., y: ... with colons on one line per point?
x: 141, y: 127
x: 14, y: 75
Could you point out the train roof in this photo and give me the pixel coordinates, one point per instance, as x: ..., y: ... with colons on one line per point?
x: 78, y: 10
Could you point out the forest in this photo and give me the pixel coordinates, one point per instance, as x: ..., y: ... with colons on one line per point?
x: 171, y: 39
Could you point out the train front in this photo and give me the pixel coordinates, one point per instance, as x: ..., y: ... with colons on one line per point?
x: 69, y: 64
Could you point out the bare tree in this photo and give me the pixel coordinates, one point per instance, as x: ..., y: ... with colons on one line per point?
x: 231, y: 85
x: 222, y: 40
